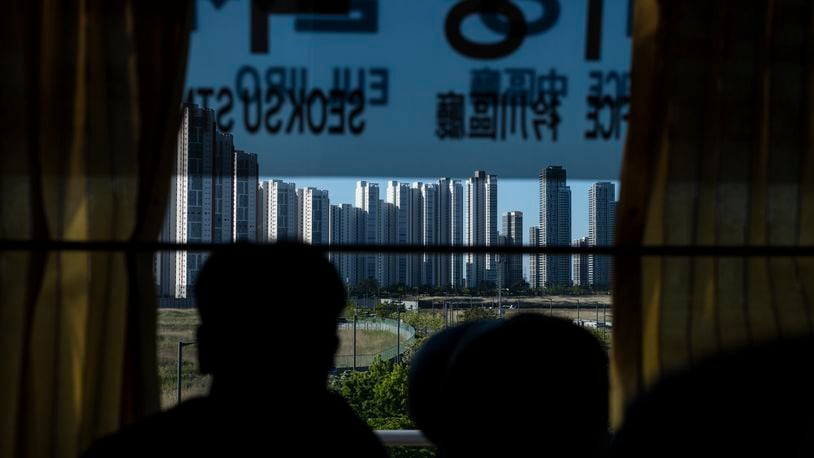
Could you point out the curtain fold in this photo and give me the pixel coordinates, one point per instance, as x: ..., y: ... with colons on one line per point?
x: 719, y: 152
x: 91, y: 93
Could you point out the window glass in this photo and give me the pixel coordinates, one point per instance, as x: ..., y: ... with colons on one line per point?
x: 404, y: 123
x: 434, y: 88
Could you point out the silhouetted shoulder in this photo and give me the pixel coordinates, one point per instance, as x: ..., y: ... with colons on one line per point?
x: 202, y: 427
x: 159, y: 435
x: 753, y: 402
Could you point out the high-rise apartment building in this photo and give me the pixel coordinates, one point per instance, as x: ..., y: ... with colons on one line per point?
x: 346, y: 227
x: 456, y: 231
x: 580, y: 260
x: 367, y: 198
x: 534, y: 259
x: 555, y: 226
x: 300, y: 209
x: 213, y: 199
x: 188, y: 218
x: 443, y: 219
x: 513, y: 236
x: 400, y: 195
x: 601, y: 221
x: 481, y: 227
x: 415, y: 260
x: 424, y: 214
x: 429, y: 233
x: 388, y: 235
x: 246, y: 179
x: 223, y: 187
x: 315, y: 216
x: 280, y: 211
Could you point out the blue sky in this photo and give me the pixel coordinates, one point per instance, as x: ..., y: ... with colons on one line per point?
x: 513, y: 194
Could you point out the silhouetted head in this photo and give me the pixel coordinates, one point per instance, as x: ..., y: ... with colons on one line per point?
x: 269, y: 310
x: 529, y: 385
x: 428, y: 370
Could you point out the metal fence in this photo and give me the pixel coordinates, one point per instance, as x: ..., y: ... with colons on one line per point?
x: 406, y: 339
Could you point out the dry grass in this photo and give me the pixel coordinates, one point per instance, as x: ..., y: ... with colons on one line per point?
x: 367, y: 342
x: 526, y: 301
x: 589, y: 312
x: 176, y: 325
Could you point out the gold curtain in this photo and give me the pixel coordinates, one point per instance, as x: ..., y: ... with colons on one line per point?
x: 91, y: 91
x: 720, y: 151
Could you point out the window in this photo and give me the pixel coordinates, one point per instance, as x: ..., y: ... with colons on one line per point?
x: 411, y: 149
x: 481, y: 157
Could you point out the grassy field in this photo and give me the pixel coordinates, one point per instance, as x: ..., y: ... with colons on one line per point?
x: 525, y: 301
x: 587, y: 313
x: 175, y: 325
x: 367, y: 342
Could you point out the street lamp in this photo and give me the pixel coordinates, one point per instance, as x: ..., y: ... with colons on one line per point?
x: 397, y: 305
x: 597, y: 313
x: 355, y: 314
x: 499, y: 284
x: 181, y: 345
x: 354, y: 338
x: 578, y: 322
x: 398, y: 334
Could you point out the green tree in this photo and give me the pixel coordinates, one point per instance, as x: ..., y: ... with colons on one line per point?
x: 390, y: 392
x: 349, y: 311
x: 380, y: 392
x: 387, y: 309
x: 424, y: 322
x: 478, y: 314
x: 379, y: 397
x: 367, y: 287
x: 603, y: 336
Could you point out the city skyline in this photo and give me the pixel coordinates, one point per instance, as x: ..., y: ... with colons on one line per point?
x: 515, y: 195
x: 218, y: 196
x: 395, y: 192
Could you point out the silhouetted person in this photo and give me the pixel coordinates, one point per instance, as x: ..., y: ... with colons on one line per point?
x: 527, y: 386
x: 427, y: 397
x: 757, y: 402
x: 267, y: 336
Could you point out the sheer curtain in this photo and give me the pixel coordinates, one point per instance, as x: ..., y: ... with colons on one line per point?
x: 720, y: 151
x: 91, y: 91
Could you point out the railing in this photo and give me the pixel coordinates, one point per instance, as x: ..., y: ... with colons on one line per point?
x: 403, y: 438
